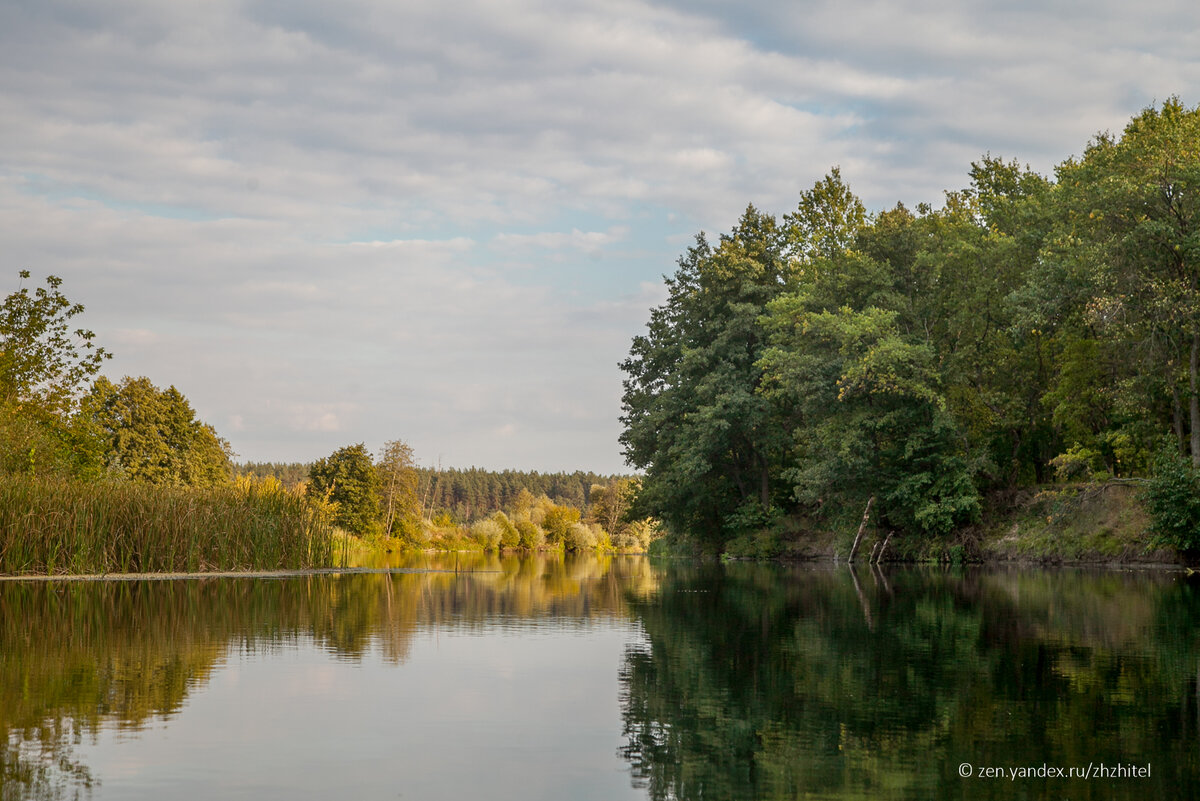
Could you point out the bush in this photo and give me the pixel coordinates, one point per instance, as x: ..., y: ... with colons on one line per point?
x: 1173, y: 500
x: 487, y: 533
x: 509, y: 536
x: 531, y: 534
x: 558, y: 521
x: 579, y: 537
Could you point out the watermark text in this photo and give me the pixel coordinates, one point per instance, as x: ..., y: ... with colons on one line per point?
x: 1092, y: 770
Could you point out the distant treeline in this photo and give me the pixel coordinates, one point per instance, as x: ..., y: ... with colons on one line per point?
x: 465, y: 494
x: 290, y: 474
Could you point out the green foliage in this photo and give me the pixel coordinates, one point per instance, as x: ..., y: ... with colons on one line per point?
x: 347, y: 479
x: 487, y: 534
x: 580, y: 537
x: 43, y: 363
x: 35, y: 445
x: 475, y: 493
x: 530, y: 534
x: 401, y: 509
x: 557, y: 521
x: 153, y: 436
x: 693, y: 420
x: 44, y: 366
x: 291, y: 475
x: 1173, y: 499
x: 510, y: 536
x: 1028, y: 329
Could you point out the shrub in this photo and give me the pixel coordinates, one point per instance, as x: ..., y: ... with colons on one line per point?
x: 487, y: 533
x: 558, y: 521
x: 1173, y: 500
x: 509, y: 536
x: 531, y: 534
x: 579, y: 537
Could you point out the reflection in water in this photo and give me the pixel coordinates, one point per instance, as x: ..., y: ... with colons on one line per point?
x: 76, y: 657
x: 763, y: 682
x: 736, y: 681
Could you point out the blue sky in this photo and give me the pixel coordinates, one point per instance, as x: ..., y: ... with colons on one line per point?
x: 444, y: 222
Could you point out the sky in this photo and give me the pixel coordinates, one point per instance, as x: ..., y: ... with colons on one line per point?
x: 444, y: 222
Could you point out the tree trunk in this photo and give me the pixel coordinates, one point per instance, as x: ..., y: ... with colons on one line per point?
x: 883, y: 548
x: 1177, y: 415
x: 1194, y: 401
x: 764, y: 483
x: 861, y: 528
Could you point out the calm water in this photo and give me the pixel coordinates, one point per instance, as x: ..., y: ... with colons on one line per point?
x: 603, y: 679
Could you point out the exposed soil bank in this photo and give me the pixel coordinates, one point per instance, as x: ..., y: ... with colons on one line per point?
x: 1102, y: 524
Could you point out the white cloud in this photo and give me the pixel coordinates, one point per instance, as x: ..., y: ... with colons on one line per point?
x: 330, y: 224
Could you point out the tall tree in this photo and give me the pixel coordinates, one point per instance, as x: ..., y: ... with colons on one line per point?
x: 398, y: 488
x: 707, y: 440
x: 153, y: 435
x: 44, y: 368
x: 348, y: 478
x: 43, y: 363
x: 1132, y: 219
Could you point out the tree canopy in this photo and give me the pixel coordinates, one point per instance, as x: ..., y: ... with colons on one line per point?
x: 1029, y: 329
x: 153, y: 435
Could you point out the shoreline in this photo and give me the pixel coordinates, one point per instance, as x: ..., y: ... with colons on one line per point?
x: 256, y: 574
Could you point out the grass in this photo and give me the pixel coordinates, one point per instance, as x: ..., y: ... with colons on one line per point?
x: 1073, y: 523
x: 55, y: 526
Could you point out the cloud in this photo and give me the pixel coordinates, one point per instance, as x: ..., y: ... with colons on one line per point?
x: 330, y: 224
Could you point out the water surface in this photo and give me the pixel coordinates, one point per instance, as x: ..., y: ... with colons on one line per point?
x: 602, y: 678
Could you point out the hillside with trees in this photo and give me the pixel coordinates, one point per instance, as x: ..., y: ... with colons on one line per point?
x: 907, y: 365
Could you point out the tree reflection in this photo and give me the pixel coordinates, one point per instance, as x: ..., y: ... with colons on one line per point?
x: 76, y: 657
x: 762, y: 682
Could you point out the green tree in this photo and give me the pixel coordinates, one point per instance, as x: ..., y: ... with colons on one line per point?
x: 558, y: 521
x: 1130, y: 235
x: 874, y: 420
x: 43, y: 363
x: 708, y: 442
x: 44, y: 368
x: 398, y: 488
x: 608, y: 504
x: 348, y: 478
x: 153, y: 435
x: 1173, y: 500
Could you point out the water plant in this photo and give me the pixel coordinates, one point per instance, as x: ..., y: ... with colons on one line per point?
x: 64, y: 526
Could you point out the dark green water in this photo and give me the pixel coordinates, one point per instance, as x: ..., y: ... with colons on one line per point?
x: 589, y: 678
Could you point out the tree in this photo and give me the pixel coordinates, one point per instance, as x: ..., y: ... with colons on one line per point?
x: 608, y: 504
x: 153, y: 435
x: 708, y: 442
x: 875, y: 423
x: 44, y: 367
x: 348, y: 478
x: 557, y: 522
x: 1131, y: 224
x: 43, y: 363
x: 398, y: 488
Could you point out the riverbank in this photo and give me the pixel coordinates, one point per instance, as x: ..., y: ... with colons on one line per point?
x: 1104, y: 523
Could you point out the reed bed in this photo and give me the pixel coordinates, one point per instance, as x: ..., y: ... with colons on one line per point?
x: 59, y: 526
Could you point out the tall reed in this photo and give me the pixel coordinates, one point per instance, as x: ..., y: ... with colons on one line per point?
x: 61, y: 526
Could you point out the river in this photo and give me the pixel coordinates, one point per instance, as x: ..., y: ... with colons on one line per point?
x: 475, y: 676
